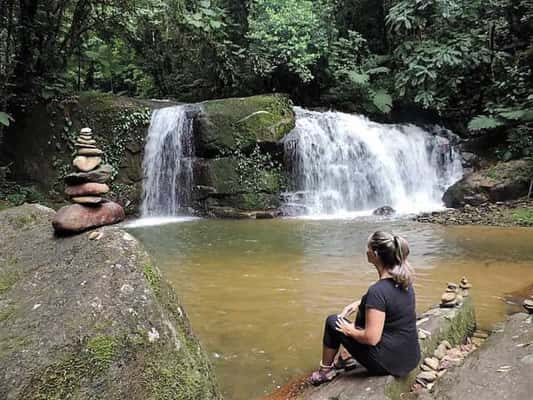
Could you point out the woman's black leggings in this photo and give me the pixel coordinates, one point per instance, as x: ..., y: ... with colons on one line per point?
x: 361, y: 352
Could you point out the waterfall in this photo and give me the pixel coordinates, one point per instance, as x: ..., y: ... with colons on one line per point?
x: 167, y: 162
x: 346, y: 164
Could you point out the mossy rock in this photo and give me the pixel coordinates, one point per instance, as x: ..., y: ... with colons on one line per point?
x: 500, y: 182
x: 226, y: 125
x: 90, y: 319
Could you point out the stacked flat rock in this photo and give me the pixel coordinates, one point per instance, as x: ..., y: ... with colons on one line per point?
x: 451, y: 296
x: 86, y: 188
x: 465, y: 286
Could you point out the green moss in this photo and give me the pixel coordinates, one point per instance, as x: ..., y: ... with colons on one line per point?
x: 522, y: 216
x: 63, y: 379
x: 102, y: 350
x: 7, y: 280
x: 242, y: 122
x: 153, y: 277
x: 6, y: 313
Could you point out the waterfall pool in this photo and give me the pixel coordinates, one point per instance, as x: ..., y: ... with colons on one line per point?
x: 257, y: 292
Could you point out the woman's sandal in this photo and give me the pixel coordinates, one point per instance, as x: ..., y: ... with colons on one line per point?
x: 346, y: 364
x: 326, y: 373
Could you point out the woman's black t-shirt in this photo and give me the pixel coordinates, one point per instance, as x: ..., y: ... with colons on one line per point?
x: 398, y: 351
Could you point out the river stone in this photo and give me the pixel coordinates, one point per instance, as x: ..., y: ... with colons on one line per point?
x: 85, y: 137
x: 100, y: 175
x: 432, y: 363
x: 87, y: 189
x: 90, y: 152
x: 428, y: 376
x: 528, y: 305
x: 71, y: 332
x: 384, y: 211
x: 77, y: 218
x: 83, y: 141
x: 448, y: 297
x: 87, y: 200
x: 85, y: 146
x: 86, y: 131
x: 86, y: 164
x: 440, y: 351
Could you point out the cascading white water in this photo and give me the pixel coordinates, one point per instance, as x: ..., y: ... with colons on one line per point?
x: 346, y: 164
x: 167, y: 163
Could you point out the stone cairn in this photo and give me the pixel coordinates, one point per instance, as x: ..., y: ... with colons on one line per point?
x: 86, y: 188
x: 454, y: 294
x: 445, y: 355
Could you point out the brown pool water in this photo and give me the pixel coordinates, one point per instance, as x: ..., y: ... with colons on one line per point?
x: 257, y: 292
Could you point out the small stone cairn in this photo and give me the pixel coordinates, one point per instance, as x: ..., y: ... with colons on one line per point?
x: 86, y: 188
x: 528, y: 304
x: 454, y: 294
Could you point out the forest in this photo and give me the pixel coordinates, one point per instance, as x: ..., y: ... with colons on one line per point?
x: 467, y: 63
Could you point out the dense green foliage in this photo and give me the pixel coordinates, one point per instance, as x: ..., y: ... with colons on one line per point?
x: 466, y: 61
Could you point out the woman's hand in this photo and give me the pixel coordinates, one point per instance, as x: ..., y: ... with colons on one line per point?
x: 346, y: 327
x: 349, y: 309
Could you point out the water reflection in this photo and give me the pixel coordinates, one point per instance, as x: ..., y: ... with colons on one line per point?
x: 257, y: 291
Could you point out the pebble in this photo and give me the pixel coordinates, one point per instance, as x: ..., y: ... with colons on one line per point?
x: 96, y: 235
x: 90, y: 152
x: 428, y: 376
x: 87, y: 200
x: 85, y: 131
x: 432, y: 363
x: 86, y: 164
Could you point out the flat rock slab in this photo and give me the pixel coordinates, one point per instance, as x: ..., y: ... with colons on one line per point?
x: 451, y: 324
x: 90, y: 319
x: 87, y: 189
x: 502, y: 369
x: 102, y: 174
x: 86, y: 164
x: 90, y: 152
x: 78, y: 218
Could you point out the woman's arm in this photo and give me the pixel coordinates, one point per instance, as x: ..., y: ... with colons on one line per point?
x: 350, y: 309
x: 371, y: 335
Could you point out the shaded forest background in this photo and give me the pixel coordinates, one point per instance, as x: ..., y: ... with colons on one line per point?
x: 464, y: 61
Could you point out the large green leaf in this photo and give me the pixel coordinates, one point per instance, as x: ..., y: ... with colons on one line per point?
x: 518, y: 115
x: 484, y: 122
x: 358, y: 78
x: 5, y: 119
x: 383, y: 101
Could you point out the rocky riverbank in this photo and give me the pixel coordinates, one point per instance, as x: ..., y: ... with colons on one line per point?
x: 508, y: 213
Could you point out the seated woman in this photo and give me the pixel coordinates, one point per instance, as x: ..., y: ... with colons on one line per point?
x: 384, y: 336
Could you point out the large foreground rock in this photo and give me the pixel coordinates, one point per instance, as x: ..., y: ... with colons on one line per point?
x: 78, y: 218
x: 501, y: 369
x: 90, y: 319
x: 500, y: 182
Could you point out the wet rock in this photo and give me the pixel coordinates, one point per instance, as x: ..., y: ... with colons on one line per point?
x: 384, y: 211
x: 86, y: 164
x: 87, y: 189
x: 89, y: 142
x: 86, y: 131
x: 77, y: 218
x: 102, y: 174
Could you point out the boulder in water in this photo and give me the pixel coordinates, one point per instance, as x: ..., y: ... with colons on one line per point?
x: 77, y: 218
x: 500, y: 182
x: 384, y: 211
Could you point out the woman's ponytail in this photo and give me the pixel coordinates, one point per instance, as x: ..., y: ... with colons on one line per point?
x: 393, y: 251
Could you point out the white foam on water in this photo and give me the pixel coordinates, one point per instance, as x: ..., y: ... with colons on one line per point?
x: 154, y: 221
